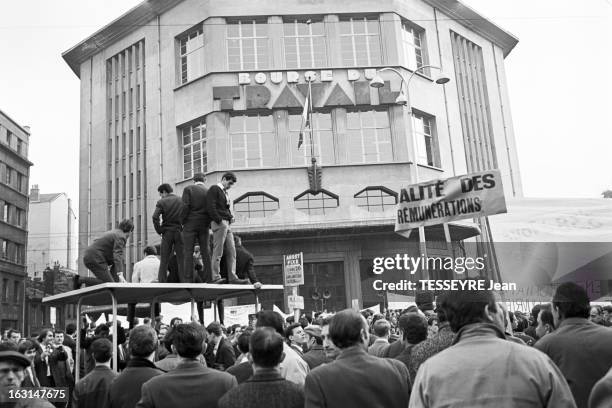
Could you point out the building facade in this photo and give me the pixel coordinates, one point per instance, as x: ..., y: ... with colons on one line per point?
x: 14, y: 176
x: 52, y: 235
x: 176, y: 87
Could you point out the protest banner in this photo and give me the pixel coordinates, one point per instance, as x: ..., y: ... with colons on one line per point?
x: 440, y: 201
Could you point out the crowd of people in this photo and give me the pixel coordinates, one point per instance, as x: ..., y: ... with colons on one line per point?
x: 465, y: 349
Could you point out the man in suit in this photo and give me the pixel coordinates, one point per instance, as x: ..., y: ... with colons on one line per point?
x: 219, y: 353
x: 356, y: 379
x: 581, y: 349
x: 105, y: 257
x: 267, y: 388
x: 382, y: 329
x: 196, y: 224
x: 125, y: 388
x: 170, y: 209
x: 190, y: 384
x: 219, y: 210
x: 92, y: 390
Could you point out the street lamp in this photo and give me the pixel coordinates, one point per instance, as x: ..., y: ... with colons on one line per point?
x: 404, y: 99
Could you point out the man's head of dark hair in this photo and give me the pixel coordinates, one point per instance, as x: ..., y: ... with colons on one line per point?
x: 381, y: 328
x: 143, y: 341
x: 229, y: 176
x: 290, y: 328
x: 215, y: 328
x: 266, y: 347
x: 535, y: 311
x: 102, y: 330
x: 546, y: 317
x: 463, y: 307
x: 243, y: 341
x: 188, y: 338
x: 199, y: 177
x: 414, y: 327
x: 26, y: 345
x: 126, y: 225
x: 346, y: 328
x: 269, y: 318
x: 70, y: 329
x: 165, y: 188
x: 572, y: 300
x: 150, y: 250
x: 102, y: 350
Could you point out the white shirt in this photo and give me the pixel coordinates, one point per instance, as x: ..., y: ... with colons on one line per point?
x: 293, y: 368
x: 146, y: 270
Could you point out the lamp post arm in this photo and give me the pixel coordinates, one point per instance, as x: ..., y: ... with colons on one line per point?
x: 422, y: 67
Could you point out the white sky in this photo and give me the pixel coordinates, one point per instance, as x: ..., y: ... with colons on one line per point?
x: 558, y: 82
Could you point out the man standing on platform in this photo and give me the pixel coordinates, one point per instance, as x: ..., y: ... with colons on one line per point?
x: 219, y: 210
x: 107, y: 252
x: 196, y: 224
x: 170, y: 208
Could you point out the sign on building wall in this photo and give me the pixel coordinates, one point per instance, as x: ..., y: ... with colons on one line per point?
x: 439, y: 201
x: 293, y: 269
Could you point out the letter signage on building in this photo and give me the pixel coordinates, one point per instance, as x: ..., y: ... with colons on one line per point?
x: 293, y: 269
x: 439, y: 201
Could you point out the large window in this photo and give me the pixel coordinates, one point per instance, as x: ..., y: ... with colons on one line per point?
x: 376, y: 199
x: 427, y: 150
x: 323, y: 140
x: 255, y: 205
x: 247, y: 45
x: 316, y: 203
x: 360, y: 41
x: 304, y: 44
x: 369, y: 137
x: 252, y: 141
x: 412, y: 42
x: 194, y: 150
x: 192, y: 55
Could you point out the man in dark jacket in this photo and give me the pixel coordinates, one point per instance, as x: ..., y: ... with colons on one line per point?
x: 220, y: 213
x: 107, y: 252
x: 195, y: 227
x: 580, y: 348
x: 356, y: 379
x: 92, y: 390
x: 315, y: 355
x: 125, y: 389
x: 170, y: 208
x: 190, y: 384
x: 219, y: 353
x: 267, y: 388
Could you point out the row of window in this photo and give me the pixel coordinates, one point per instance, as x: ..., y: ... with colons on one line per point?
x: 304, y: 45
x: 12, y: 214
x: 13, y: 178
x: 13, y: 142
x: 5, y: 291
x: 253, y: 140
x: 260, y: 204
x: 12, y: 251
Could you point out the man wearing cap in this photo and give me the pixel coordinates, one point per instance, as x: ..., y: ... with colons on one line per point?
x: 315, y: 356
x: 12, y: 373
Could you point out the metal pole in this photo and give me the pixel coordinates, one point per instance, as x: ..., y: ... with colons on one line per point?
x: 114, y: 300
x: 78, y: 341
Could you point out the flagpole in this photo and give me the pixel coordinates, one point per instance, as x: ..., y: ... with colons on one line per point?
x: 311, y: 130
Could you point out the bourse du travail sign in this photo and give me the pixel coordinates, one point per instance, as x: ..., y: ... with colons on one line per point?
x: 439, y: 201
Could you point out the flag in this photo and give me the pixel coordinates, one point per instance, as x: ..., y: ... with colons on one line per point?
x: 305, y: 119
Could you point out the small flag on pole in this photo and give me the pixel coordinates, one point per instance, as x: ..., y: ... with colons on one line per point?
x: 305, y: 120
